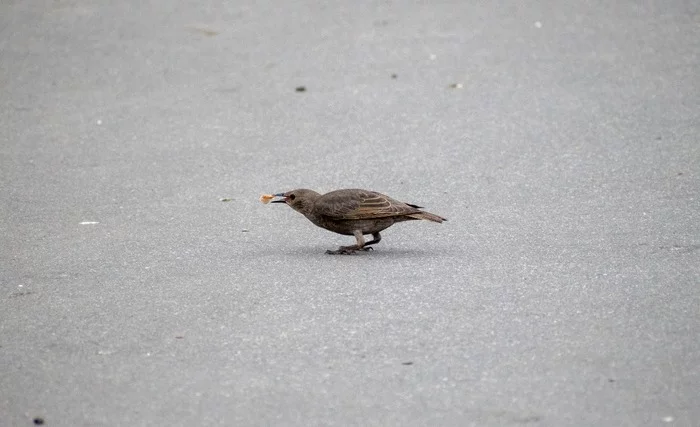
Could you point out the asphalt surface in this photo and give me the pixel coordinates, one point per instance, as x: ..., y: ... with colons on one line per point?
x: 560, y: 139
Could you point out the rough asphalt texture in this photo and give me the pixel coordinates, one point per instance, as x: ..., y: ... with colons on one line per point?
x: 560, y: 139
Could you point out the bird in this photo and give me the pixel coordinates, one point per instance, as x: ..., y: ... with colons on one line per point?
x: 353, y: 212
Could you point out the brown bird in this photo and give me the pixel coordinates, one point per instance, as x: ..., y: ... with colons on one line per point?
x: 353, y: 212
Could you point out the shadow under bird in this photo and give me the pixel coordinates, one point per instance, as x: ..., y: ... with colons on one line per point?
x: 353, y: 212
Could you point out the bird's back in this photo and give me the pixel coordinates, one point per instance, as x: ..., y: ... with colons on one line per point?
x: 357, y: 204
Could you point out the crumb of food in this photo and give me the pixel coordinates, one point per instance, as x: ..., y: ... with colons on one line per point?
x: 266, y: 198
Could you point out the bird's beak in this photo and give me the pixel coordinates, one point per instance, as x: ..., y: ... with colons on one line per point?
x: 284, y: 200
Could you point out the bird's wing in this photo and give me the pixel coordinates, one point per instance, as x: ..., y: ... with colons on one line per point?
x: 361, y: 204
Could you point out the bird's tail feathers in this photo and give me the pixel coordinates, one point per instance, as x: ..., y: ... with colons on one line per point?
x: 427, y: 216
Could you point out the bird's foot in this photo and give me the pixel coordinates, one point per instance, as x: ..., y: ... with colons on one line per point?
x: 349, y: 250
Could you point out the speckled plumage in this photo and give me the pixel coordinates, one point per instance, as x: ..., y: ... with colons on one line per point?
x: 353, y: 212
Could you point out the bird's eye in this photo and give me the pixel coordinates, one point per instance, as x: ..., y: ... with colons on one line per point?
x: 292, y: 197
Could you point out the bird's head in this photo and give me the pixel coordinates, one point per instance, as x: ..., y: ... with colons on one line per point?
x: 301, y: 200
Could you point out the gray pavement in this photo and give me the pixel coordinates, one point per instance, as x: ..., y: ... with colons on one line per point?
x: 560, y: 139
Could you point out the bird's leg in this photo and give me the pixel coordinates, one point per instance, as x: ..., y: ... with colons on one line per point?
x: 376, y: 238
x: 348, y: 250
